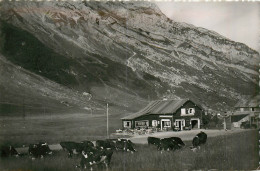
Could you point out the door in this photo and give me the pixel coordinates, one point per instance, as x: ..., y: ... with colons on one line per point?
x: 195, y: 123
x: 180, y: 123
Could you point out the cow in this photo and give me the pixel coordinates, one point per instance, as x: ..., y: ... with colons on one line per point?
x: 71, y: 147
x: 153, y: 141
x: 106, y: 144
x: 167, y: 144
x: 125, y: 145
x: 178, y: 141
x: 199, y: 139
x: 87, y: 143
x: 39, y: 150
x: 202, y: 137
x: 95, y: 157
x: 74, y: 147
x: 8, y: 151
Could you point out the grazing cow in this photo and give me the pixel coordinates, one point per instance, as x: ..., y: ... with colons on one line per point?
x: 198, y: 140
x: 87, y: 143
x: 106, y: 144
x: 203, y: 137
x: 168, y: 144
x: 94, y: 156
x: 153, y: 141
x: 8, y: 151
x: 126, y: 140
x: 125, y: 145
x: 72, y: 147
x: 178, y: 141
x: 39, y: 150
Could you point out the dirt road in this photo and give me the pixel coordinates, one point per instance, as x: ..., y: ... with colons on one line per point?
x: 184, y: 135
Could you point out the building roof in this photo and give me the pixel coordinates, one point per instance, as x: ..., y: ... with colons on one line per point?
x: 159, y: 107
x: 236, y: 118
x: 249, y: 101
x: 245, y: 112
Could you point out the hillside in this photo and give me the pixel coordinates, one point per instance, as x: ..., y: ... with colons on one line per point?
x: 122, y: 53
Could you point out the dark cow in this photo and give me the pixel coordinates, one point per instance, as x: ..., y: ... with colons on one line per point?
x: 199, y: 139
x: 178, y: 141
x: 106, y: 144
x: 168, y: 144
x: 74, y: 147
x: 39, y: 150
x: 8, y: 151
x: 125, y: 145
x: 87, y: 143
x: 153, y: 141
x: 203, y: 137
x: 71, y: 147
x: 95, y: 157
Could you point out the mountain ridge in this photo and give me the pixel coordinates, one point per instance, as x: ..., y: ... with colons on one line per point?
x: 135, y: 48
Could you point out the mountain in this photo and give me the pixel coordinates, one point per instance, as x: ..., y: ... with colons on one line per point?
x: 122, y: 53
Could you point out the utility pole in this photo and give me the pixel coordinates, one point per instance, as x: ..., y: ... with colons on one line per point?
x: 23, y: 109
x: 107, y: 123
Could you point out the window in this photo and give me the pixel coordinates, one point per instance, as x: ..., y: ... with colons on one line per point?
x: 188, y: 111
x: 141, y: 123
x: 191, y: 111
x: 177, y: 123
x: 167, y: 123
x: 154, y: 123
x: 252, y: 109
x: 127, y: 124
x: 183, y: 111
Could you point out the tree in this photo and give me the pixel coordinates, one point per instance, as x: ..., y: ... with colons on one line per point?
x: 205, y: 120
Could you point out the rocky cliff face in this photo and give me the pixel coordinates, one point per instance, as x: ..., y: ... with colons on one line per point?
x: 122, y: 51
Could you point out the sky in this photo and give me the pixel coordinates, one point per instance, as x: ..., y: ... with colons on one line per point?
x: 238, y: 21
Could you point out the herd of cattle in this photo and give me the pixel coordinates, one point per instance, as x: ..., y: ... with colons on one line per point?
x: 100, y: 152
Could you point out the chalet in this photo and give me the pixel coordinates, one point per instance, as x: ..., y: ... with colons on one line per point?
x: 165, y: 114
x: 249, y: 104
x: 246, y: 110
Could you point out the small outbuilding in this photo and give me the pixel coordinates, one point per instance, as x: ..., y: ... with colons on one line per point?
x: 237, y: 120
x: 166, y: 114
x: 246, y: 110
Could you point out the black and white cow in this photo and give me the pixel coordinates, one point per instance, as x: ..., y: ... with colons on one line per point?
x: 95, y: 157
x: 167, y: 144
x: 106, y: 144
x: 74, y: 147
x: 8, y: 151
x: 39, y: 150
x: 87, y: 143
x: 178, y: 141
x: 199, y: 139
x: 125, y: 145
x: 153, y: 141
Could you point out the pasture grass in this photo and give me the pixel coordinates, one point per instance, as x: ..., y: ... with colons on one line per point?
x: 229, y: 152
x: 53, y: 129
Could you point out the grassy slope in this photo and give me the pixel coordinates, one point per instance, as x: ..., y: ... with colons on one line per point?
x: 23, y: 49
x: 56, y: 128
x: 82, y: 74
x: 232, y: 152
